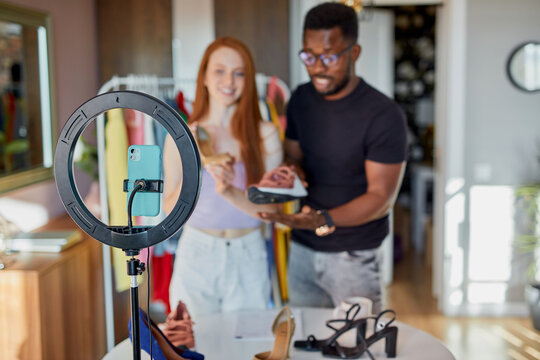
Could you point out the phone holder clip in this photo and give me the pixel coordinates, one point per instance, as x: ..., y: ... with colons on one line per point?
x: 148, y: 185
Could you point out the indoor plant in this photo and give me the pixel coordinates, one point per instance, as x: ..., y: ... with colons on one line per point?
x: 527, y: 241
x: 85, y: 158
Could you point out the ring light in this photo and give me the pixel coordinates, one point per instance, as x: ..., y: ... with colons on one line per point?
x: 119, y: 236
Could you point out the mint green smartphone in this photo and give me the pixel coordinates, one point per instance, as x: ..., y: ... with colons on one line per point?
x: 144, y: 162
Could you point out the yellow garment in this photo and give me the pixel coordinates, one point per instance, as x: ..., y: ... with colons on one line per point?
x: 281, y: 251
x: 116, y: 146
x: 282, y: 242
x: 274, y: 118
x: 282, y: 235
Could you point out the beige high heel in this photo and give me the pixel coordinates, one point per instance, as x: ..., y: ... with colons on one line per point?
x: 283, y: 329
x: 207, y: 152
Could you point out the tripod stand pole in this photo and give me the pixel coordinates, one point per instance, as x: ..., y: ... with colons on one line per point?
x: 135, y: 268
x: 136, y: 338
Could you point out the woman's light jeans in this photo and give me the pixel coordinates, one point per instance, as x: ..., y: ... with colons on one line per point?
x: 213, y: 274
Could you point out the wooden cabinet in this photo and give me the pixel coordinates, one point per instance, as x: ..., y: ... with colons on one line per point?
x: 51, y: 305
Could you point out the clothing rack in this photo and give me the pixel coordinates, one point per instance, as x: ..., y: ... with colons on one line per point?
x: 160, y: 88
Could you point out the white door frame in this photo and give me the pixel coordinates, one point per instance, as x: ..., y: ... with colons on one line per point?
x: 449, y: 140
x: 449, y: 146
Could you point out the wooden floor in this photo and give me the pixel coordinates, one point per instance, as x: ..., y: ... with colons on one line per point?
x: 467, y: 338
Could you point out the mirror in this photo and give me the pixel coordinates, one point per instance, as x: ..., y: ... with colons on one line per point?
x: 524, y: 66
x: 26, y: 93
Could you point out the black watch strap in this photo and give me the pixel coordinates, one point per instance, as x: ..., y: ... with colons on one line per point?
x: 327, y: 217
x: 328, y: 227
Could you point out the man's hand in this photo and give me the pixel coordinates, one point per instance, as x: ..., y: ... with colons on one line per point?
x: 293, y: 158
x: 306, y: 219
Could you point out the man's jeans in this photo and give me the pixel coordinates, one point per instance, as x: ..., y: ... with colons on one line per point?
x: 324, y: 279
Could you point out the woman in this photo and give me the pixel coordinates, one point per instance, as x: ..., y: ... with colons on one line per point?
x: 221, y: 262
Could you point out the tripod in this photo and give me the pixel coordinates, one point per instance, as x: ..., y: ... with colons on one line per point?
x: 135, y: 268
x: 123, y: 237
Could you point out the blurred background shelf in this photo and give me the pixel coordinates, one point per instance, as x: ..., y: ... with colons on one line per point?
x: 51, y: 304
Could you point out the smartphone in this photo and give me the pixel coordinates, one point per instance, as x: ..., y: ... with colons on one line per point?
x: 144, y: 162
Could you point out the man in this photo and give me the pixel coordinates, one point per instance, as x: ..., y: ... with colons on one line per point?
x: 350, y: 141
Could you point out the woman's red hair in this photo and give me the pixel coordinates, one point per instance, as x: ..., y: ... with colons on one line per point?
x: 246, y: 118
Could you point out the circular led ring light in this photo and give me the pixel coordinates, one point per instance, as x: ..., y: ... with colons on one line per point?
x: 119, y: 236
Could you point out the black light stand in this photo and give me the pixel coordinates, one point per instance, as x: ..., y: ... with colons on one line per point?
x: 134, y: 266
x: 134, y: 269
x: 125, y: 237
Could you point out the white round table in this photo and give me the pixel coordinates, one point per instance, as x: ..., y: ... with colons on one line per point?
x: 215, y: 338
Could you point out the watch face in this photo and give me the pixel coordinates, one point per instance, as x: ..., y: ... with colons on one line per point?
x: 324, y: 230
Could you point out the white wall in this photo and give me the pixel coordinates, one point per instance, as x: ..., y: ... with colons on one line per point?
x: 486, y: 147
x: 508, y: 118
x: 193, y: 31
x: 297, y: 11
x: 376, y: 62
x: 76, y: 79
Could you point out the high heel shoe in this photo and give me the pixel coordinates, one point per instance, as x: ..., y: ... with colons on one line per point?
x: 312, y: 344
x: 207, y: 151
x: 283, y: 329
x: 277, y: 186
x: 162, y: 349
x: 387, y: 332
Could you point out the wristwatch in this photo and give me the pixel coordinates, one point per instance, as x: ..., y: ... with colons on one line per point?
x: 328, y: 227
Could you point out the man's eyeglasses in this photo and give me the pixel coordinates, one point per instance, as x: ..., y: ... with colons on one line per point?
x: 329, y: 60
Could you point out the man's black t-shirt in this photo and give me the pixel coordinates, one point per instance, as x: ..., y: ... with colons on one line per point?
x: 336, y: 138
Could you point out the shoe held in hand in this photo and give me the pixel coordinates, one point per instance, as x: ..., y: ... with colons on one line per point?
x: 204, y: 142
x: 277, y: 186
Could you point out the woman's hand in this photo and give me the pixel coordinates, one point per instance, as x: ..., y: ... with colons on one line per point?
x: 223, y: 175
x: 300, y: 173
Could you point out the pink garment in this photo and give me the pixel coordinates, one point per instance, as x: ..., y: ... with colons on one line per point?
x: 135, y: 126
x: 214, y: 212
x: 143, y: 255
x: 278, y: 96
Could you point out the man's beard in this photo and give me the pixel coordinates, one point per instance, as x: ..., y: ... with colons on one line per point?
x: 340, y: 86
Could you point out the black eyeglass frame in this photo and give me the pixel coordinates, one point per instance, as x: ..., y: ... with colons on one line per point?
x: 324, y: 56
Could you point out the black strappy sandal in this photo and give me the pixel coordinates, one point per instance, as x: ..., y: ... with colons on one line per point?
x: 335, y: 350
x: 312, y: 344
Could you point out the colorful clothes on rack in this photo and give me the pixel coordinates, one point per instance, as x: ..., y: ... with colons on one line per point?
x: 263, y: 109
x: 274, y: 118
x: 161, y: 277
x: 274, y: 95
x: 181, y: 104
x: 134, y: 125
x: 116, y: 146
x: 278, y: 94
